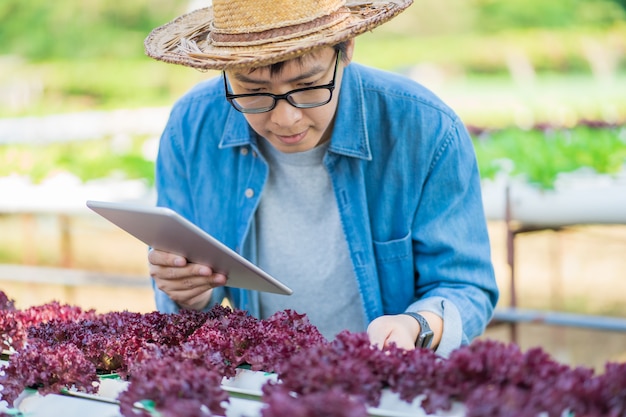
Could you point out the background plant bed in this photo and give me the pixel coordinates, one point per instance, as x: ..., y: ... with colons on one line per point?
x: 553, y: 176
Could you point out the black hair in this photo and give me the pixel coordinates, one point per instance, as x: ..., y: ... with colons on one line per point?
x: 277, y: 67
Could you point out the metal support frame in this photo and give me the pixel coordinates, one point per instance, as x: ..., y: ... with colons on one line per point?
x: 513, y: 315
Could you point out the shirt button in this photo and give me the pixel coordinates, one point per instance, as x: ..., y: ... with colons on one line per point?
x: 249, y: 193
x: 244, y: 151
x: 254, y: 154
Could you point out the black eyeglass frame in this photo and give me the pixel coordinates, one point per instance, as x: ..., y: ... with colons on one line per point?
x: 287, y: 96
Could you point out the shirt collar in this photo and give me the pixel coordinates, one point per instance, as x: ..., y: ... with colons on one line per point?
x: 350, y: 136
x: 237, y: 132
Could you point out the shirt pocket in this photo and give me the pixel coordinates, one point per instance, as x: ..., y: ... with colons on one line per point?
x: 396, y: 275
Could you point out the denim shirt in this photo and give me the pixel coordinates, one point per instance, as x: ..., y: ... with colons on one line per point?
x: 406, y: 182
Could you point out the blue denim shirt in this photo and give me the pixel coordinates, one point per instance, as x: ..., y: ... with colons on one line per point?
x: 406, y: 182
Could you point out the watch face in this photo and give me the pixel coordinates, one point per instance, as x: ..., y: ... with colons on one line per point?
x: 425, y: 339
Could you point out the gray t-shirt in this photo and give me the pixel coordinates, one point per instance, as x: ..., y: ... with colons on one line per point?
x: 301, y: 242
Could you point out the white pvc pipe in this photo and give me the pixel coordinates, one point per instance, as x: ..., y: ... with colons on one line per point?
x: 576, y: 200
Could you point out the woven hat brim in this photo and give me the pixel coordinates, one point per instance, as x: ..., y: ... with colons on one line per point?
x: 183, y: 41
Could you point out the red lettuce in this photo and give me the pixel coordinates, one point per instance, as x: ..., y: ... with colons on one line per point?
x: 49, y: 369
x: 174, y: 387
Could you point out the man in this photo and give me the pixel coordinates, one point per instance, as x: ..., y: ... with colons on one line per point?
x: 355, y: 187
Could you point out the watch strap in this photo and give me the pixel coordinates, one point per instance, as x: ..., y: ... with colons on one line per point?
x: 425, y: 337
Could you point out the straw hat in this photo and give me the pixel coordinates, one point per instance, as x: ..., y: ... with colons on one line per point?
x: 254, y: 33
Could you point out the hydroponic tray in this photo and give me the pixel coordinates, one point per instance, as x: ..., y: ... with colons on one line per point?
x: 244, y: 391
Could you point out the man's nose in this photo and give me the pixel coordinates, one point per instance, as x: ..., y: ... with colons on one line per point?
x: 284, y: 114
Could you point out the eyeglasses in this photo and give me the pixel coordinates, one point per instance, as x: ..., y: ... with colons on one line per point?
x: 302, y: 98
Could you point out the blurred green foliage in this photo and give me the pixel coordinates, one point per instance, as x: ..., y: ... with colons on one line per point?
x: 93, y: 29
x: 80, y: 29
x: 568, y: 50
x: 540, y: 155
x: 498, y: 15
x: 87, y: 160
x: 109, y: 84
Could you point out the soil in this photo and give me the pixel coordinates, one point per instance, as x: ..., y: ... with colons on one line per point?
x: 578, y: 269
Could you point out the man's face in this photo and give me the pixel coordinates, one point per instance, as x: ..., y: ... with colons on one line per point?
x: 287, y: 128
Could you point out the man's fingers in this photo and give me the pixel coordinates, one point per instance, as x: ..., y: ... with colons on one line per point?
x: 219, y: 280
x: 161, y: 258
x: 177, y: 266
x: 377, y: 333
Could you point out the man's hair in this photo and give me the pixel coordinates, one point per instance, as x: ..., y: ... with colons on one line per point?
x: 277, y: 67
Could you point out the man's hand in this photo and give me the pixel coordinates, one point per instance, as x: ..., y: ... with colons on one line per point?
x: 402, y: 330
x: 189, y: 285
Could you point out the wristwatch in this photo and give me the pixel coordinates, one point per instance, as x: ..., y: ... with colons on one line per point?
x: 425, y: 338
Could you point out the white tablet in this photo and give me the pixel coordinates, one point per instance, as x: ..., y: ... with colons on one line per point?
x: 164, y: 229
